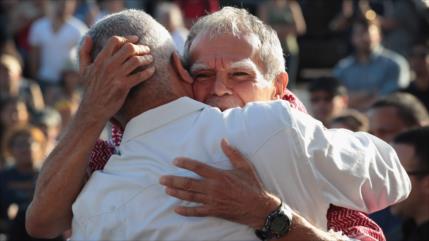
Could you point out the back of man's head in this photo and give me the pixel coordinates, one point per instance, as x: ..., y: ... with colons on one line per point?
x: 327, y: 84
x: 150, y: 33
x: 237, y: 21
x: 417, y: 138
x: 409, y: 109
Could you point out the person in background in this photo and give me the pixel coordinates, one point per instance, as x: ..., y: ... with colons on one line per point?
x: 24, y: 14
x: 13, y: 112
x: 286, y: 17
x: 52, y: 40
x: 412, y: 149
x: 170, y: 16
x: 395, y: 113
x: 372, y: 70
x: 400, y: 24
x: 328, y: 98
x: 25, y: 145
x: 69, y: 96
x: 194, y: 9
x: 350, y: 119
x: 108, y: 7
x: 419, y: 62
x: 48, y: 121
x: 388, y: 116
x: 12, y: 84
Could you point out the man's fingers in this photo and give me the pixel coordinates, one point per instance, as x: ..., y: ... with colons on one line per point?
x: 112, y: 45
x: 237, y: 159
x: 128, y: 50
x: 200, y: 211
x: 186, y: 195
x: 184, y: 183
x: 197, y: 167
x: 136, y: 63
x: 140, y: 76
x: 85, y: 53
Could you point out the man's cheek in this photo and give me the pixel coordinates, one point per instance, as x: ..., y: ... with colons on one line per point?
x: 200, y: 92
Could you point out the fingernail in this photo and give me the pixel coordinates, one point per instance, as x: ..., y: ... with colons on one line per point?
x: 176, y: 161
x: 162, y: 180
x: 225, y: 141
x: 148, y: 58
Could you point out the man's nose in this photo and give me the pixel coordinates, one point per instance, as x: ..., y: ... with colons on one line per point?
x: 220, y: 88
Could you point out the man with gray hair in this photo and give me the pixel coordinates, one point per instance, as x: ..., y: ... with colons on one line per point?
x: 165, y: 126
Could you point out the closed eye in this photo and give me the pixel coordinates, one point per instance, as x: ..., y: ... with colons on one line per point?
x: 238, y: 74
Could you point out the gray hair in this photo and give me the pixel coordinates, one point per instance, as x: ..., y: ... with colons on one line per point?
x: 236, y: 21
x: 136, y: 22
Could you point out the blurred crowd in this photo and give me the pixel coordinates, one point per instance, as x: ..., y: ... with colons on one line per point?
x: 363, y: 63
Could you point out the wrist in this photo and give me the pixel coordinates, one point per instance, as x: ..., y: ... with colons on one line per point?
x: 268, y: 204
x: 277, y: 224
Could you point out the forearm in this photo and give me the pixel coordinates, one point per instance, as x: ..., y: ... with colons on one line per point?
x: 34, y: 60
x: 303, y: 230
x: 61, y: 178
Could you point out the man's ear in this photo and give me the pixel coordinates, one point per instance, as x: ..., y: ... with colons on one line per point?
x: 281, y: 82
x: 180, y: 69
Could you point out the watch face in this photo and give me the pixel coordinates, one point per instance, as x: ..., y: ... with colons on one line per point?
x: 280, y: 224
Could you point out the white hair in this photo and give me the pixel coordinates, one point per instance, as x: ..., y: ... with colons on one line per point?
x: 237, y: 21
x: 136, y: 22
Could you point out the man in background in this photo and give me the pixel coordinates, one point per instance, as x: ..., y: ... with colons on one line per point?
x: 412, y: 150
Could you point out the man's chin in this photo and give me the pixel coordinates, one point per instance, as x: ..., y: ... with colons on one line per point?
x: 223, y: 104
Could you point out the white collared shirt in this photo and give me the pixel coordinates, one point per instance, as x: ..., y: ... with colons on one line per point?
x: 306, y: 165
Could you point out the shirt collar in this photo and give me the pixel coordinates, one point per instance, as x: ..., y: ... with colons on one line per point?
x: 159, y: 116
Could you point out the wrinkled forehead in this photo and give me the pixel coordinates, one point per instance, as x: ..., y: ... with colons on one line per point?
x: 225, y: 51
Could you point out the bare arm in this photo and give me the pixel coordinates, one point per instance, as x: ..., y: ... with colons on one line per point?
x: 236, y: 195
x: 108, y: 82
x: 34, y: 61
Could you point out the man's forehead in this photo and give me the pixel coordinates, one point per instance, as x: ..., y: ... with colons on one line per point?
x: 214, y: 63
x: 224, y: 50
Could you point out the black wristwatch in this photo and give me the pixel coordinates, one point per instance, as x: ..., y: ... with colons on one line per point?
x: 277, y: 224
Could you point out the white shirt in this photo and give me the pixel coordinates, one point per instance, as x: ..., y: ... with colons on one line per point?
x: 56, y: 48
x: 308, y: 166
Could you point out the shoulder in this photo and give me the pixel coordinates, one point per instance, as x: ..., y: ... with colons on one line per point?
x: 269, y: 111
x: 392, y: 57
x: 344, y: 63
x: 264, y: 116
x: 41, y: 23
x: 251, y: 126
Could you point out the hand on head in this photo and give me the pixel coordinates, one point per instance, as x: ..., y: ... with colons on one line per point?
x: 109, y: 78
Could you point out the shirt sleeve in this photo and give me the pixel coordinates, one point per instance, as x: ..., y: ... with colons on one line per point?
x: 391, y: 81
x: 354, y: 224
x: 354, y: 169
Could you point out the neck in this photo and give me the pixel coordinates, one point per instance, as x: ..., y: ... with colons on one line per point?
x: 363, y: 56
x: 25, y: 167
x: 60, y: 19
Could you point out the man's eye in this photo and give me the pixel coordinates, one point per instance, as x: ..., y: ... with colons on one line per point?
x: 201, y: 76
x: 239, y: 74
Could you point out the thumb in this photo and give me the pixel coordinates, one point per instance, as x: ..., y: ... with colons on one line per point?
x: 85, y: 53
